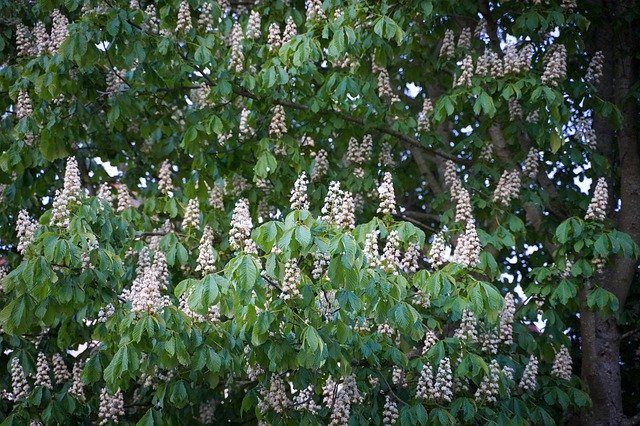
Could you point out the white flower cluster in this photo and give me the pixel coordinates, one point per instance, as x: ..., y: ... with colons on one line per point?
x: 594, y: 71
x: 467, y: 330
x: 506, y: 319
x: 397, y: 376
x: 314, y: 10
x: 26, y: 228
x: 278, y: 125
x: 191, y: 217
x: 387, y: 195
x: 164, y: 177
x: 411, y: 257
x: 447, y: 50
x: 291, y: 280
x: 216, y: 197
x: 68, y: 196
x: 42, y: 39
x: 321, y: 165
x: 438, y: 251
x: 529, y: 380
x: 206, y: 253
x: 104, y: 193
x: 236, y: 62
x: 555, y: 67
x: 77, y: 387
x: 424, y: 121
x: 42, y: 372
x: 151, y: 277
x: 19, y: 382
x: 152, y: 24
x: 24, y: 47
x: 59, y: 30
x: 443, y: 385
x: 339, y: 207
x: 562, y: 364
x: 467, y: 251
x: 585, y: 132
x: 304, y: 400
x: 111, y: 407
x: 464, y: 212
x: 320, y: 263
x: 290, y: 30
x: 490, y: 341
x: 241, y: 226
x: 183, y: 23
x: 390, y: 413
x: 205, y: 18
x: 299, y: 199
x: 508, y: 187
x: 370, y: 249
x: 23, y: 105
x: 464, y: 39
x: 486, y: 153
x: 385, y: 157
x: 340, y: 398
x: 489, y: 387
x: 385, y: 91
x: 124, y: 198
x: 244, y: 128
x: 390, y: 260
x: 359, y: 153
x: 274, y: 40
x: 597, y: 209
x: 424, y: 387
x: 60, y: 371
x: 253, y: 25
x: 515, y: 110
x: 430, y: 339
x: 276, y: 397
x: 531, y: 163
x: 464, y: 80
x: 517, y: 61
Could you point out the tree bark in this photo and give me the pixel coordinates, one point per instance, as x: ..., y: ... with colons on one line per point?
x: 600, y: 338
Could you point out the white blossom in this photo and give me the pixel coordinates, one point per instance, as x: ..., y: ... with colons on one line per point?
x: 529, y: 380
x: 467, y: 251
x: 164, y: 178
x: 387, y: 195
x: 443, y: 385
x: 191, y: 217
x: 111, y: 407
x: 183, y: 23
x: 597, y: 209
x: 278, y: 125
x: 42, y: 372
x: 206, y: 253
x: 19, y: 382
x: 26, y: 228
x: 299, y: 199
x: 562, y: 364
x: 241, y: 226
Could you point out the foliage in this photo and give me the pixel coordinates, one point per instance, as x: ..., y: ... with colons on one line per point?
x: 121, y: 92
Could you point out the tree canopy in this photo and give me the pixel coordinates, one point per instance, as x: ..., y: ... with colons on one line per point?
x: 289, y: 212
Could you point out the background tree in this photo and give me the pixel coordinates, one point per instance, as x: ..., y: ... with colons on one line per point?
x: 319, y: 213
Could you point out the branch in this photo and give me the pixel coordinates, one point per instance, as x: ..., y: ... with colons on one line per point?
x: 359, y: 121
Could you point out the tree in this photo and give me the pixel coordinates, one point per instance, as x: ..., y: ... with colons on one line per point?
x: 196, y: 195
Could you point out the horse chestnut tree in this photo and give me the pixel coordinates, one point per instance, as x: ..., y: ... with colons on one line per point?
x: 299, y: 213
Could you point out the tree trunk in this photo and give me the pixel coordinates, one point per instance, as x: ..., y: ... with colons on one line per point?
x: 600, y: 338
